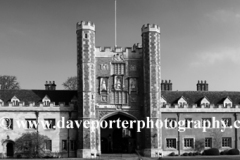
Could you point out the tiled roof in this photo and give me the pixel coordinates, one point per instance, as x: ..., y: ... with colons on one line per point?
x: 193, y: 97
x: 37, y: 95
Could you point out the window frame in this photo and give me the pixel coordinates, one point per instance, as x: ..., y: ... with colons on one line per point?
x: 208, y: 119
x: 229, y: 122
x: 46, y: 145
x: 64, y: 145
x: 31, y: 119
x: 186, y: 124
x: 52, y: 125
x: 174, y: 143
x: 191, y: 142
x: 208, y: 140
x: 227, y: 140
x: 169, y: 121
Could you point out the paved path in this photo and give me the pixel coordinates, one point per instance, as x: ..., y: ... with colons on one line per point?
x: 146, y: 158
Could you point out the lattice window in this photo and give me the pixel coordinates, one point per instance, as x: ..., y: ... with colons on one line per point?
x: 119, y: 97
x: 226, y: 142
x: 207, y: 122
x: 227, y: 121
x: 208, y: 142
x: 171, y: 123
x: 188, y: 142
x: 118, y: 68
x: 188, y: 123
x: 171, y: 143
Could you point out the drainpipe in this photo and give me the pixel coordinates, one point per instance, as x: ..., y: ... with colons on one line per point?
x: 178, y: 115
x: 236, y: 133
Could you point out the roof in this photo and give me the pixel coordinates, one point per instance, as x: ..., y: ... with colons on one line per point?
x: 193, y: 97
x: 37, y: 95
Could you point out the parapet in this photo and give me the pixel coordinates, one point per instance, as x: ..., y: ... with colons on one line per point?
x: 150, y: 28
x: 199, y: 108
x: 85, y: 25
x: 113, y: 49
x: 136, y: 46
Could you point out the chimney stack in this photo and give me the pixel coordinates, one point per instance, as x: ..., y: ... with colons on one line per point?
x: 50, y: 85
x: 166, y: 85
x: 202, y: 86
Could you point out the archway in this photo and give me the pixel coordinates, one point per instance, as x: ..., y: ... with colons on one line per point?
x: 115, y: 139
x: 10, y: 149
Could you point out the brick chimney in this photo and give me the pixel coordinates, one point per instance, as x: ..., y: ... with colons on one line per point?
x: 50, y: 85
x: 202, y: 86
x: 166, y: 85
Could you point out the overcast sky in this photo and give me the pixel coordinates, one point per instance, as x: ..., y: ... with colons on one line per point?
x: 200, y: 39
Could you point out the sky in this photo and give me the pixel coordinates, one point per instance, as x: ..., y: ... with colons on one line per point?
x: 199, y: 38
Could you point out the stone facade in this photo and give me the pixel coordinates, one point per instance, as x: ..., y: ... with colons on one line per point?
x: 123, y: 82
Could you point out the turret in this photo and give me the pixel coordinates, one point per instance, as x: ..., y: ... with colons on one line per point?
x: 86, y: 86
x: 152, y: 85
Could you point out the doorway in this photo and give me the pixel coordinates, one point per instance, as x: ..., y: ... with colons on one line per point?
x: 10, y: 150
x: 118, y: 139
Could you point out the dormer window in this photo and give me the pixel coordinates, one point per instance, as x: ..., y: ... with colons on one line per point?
x: 15, y: 101
x: 227, y: 102
x: 182, y: 102
x: 205, y: 103
x: 46, y: 101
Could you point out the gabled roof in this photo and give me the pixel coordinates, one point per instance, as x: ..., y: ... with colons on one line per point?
x: 37, y: 95
x: 14, y: 98
x: 227, y: 98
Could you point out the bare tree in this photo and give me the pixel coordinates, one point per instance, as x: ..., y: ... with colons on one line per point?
x: 216, y: 135
x: 9, y: 83
x: 28, y: 143
x: 70, y: 83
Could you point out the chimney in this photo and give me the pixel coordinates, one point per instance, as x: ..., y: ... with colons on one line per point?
x: 170, y: 85
x: 202, y: 86
x: 206, y: 86
x: 53, y: 86
x: 166, y: 85
x: 198, y: 86
x: 50, y: 85
x: 162, y: 86
x: 46, y: 85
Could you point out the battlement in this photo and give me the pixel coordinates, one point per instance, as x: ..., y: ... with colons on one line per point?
x: 114, y: 49
x: 199, y: 108
x: 85, y: 25
x: 36, y: 106
x: 150, y: 28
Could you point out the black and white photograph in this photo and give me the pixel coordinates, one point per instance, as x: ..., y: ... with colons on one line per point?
x: 120, y: 79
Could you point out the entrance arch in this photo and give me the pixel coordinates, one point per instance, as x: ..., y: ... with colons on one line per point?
x: 115, y: 139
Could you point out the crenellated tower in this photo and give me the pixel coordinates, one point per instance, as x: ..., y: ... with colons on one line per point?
x: 86, y: 87
x: 152, y: 86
